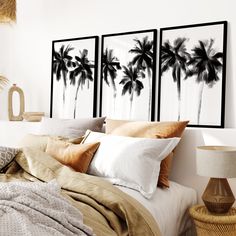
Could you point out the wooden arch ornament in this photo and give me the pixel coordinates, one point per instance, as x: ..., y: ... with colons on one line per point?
x: 11, y: 115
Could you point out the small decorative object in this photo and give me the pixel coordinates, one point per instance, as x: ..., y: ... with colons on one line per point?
x: 128, y: 75
x: 218, y: 163
x: 192, y: 68
x: 11, y: 115
x: 33, y: 116
x: 74, y: 77
x: 7, y: 11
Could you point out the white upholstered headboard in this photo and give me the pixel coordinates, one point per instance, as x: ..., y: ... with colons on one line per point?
x: 183, y: 167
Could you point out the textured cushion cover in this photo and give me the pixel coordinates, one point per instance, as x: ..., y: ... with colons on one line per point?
x: 146, y: 129
x: 40, y: 141
x: 130, y: 162
x: 77, y: 156
x: 70, y: 128
x: 7, y: 154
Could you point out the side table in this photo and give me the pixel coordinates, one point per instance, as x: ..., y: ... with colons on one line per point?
x: 209, y: 224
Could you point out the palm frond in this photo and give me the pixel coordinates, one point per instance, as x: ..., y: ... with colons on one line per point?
x: 144, y: 55
x: 82, y: 69
x: 174, y: 73
x: 126, y: 88
x: 3, y: 82
x: 179, y: 44
x: 209, y: 49
x: 56, y: 55
x: 68, y: 49
x: 218, y: 55
x: 124, y: 80
x: 7, y: 11
x: 110, y: 65
x: 61, y: 50
x: 105, y: 76
x: 58, y: 72
x: 138, y: 87
x: 206, y: 63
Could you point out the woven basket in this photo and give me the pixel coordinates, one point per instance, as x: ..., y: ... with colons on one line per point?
x: 208, y: 224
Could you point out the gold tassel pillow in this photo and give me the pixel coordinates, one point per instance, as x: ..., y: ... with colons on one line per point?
x: 77, y: 156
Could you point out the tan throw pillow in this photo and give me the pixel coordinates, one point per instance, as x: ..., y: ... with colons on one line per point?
x: 77, y: 156
x: 145, y: 129
x: 40, y: 141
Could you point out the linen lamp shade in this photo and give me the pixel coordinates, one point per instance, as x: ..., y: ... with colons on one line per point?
x: 218, y: 163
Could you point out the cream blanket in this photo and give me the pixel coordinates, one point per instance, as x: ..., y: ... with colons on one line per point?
x: 38, y: 209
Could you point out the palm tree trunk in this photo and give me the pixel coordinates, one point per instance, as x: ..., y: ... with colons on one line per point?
x: 88, y: 83
x: 76, y: 97
x: 178, y: 91
x: 131, y: 103
x: 64, y: 88
x: 64, y: 96
x: 200, y: 102
x: 114, y: 94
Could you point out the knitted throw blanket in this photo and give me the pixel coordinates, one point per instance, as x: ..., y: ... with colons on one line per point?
x: 38, y: 209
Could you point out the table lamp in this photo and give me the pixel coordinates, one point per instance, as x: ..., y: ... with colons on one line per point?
x: 218, y: 163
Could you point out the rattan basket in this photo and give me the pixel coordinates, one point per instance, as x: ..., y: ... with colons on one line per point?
x: 208, y: 224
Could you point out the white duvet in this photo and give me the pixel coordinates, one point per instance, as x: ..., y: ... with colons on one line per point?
x: 38, y: 209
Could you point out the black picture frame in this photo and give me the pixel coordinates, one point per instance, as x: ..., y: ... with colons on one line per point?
x: 193, y: 57
x: 118, y: 98
x: 74, y: 78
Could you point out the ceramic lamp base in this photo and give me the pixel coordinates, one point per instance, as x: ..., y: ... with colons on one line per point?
x: 218, y: 196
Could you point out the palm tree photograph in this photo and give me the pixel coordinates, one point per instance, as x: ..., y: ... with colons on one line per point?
x: 128, y: 75
x: 192, y: 74
x: 74, y: 77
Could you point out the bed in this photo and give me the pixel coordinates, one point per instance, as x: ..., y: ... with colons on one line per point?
x: 98, y: 205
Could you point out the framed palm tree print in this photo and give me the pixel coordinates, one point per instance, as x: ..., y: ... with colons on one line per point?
x: 74, y: 77
x: 192, y: 71
x: 128, y: 72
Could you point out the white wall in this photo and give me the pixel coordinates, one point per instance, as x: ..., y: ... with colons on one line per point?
x: 25, y: 51
x: 25, y: 47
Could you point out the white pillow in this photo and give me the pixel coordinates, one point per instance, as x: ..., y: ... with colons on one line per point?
x: 130, y: 162
x: 71, y: 128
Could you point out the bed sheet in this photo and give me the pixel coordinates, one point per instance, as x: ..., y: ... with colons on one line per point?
x: 169, y: 207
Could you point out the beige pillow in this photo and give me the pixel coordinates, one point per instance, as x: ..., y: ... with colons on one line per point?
x: 145, y: 129
x: 40, y: 141
x: 77, y: 156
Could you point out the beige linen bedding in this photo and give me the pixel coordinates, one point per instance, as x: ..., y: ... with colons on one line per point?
x: 106, y: 209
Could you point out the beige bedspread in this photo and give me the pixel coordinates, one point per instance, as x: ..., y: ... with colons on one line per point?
x: 106, y: 209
